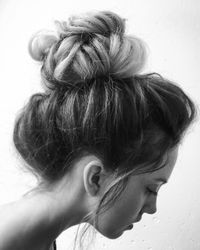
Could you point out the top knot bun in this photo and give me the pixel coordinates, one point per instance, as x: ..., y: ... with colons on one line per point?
x: 103, y: 23
x: 88, y: 46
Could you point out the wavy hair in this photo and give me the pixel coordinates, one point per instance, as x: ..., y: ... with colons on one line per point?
x: 96, y: 100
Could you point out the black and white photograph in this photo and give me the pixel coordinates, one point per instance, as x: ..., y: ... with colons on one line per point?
x: 99, y: 128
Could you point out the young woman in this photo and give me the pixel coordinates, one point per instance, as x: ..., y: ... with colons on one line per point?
x: 101, y: 139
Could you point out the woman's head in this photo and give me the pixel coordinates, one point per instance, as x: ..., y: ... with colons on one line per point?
x: 96, y: 102
x: 138, y: 197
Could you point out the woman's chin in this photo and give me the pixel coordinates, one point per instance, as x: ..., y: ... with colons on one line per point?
x: 113, y: 234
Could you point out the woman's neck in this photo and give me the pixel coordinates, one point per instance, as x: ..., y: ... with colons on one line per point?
x: 40, y: 216
x: 37, y: 219
x: 27, y: 224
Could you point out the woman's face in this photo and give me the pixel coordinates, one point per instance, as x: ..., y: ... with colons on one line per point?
x: 140, y: 196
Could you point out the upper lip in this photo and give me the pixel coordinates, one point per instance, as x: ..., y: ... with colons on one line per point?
x: 139, y: 218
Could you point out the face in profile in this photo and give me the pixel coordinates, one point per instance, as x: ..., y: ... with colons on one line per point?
x: 139, y: 197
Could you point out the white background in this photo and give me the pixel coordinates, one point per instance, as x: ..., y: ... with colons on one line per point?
x: 172, y: 31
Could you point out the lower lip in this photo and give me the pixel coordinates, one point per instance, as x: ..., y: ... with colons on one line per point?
x: 129, y: 227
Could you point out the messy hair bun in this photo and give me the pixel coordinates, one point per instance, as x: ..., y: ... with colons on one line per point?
x: 99, y: 105
x: 88, y: 46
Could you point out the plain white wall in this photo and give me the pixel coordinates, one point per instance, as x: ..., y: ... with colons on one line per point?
x: 172, y: 31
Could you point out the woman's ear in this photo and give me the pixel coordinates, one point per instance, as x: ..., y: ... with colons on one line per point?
x: 93, y: 176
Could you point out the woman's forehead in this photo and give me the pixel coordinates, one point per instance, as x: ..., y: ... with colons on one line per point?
x: 164, y: 173
x: 161, y: 175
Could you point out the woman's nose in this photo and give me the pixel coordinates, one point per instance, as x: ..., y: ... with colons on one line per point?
x: 151, y: 206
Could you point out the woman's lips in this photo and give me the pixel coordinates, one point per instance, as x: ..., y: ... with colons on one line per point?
x: 130, y: 227
x: 139, y: 218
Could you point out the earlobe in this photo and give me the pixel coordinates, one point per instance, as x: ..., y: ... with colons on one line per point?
x: 91, y: 177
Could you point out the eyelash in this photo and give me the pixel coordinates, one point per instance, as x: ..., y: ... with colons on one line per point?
x: 152, y: 192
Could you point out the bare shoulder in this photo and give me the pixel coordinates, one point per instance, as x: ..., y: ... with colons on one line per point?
x: 10, y: 226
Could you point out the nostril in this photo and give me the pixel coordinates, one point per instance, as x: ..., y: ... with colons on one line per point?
x: 150, y: 210
x: 153, y: 210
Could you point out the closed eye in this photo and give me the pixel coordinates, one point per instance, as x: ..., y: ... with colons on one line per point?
x: 152, y: 192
